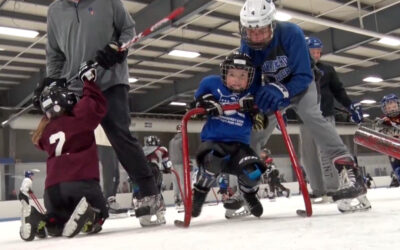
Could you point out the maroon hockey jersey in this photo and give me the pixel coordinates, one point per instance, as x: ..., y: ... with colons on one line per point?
x: 69, y: 140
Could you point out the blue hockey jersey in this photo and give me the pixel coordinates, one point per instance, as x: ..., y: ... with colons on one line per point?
x: 232, y: 126
x: 285, y: 60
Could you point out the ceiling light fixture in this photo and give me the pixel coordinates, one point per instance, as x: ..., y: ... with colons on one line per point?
x: 389, y: 41
x: 372, y: 79
x: 177, y: 103
x: 132, y: 79
x: 368, y: 101
x: 280, y: 16
x: 365, y: 115
x: 184, y: 53
x: 18, y: 32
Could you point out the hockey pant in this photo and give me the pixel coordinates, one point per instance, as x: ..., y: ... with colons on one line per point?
x: 60, y: 201
x: 320, y: 171
x: 232, y: 158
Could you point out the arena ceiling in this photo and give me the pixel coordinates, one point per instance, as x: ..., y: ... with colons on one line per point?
x: 349, y: 29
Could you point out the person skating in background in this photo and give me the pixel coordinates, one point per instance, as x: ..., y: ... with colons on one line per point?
x: 176, y: 157
x: 389, y: 124
x: 323, y: 178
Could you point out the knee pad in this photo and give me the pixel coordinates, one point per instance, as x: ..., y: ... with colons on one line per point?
x: 205, y: 179
x: 250, y: 170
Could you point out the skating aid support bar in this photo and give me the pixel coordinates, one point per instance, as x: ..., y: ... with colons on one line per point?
x: 295, y: 163
x: 35, y: 200
x: 186, y: 168
x: 124, y: 46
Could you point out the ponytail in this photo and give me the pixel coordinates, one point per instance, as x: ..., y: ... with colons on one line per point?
x: 39, y: 131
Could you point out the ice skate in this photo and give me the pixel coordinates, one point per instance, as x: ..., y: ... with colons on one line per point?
x: 234, y: 207
x: 199, y: 197
x: 82, y: 215
x: 359, y: 204
x: 114, y: 210
x: 31, y: 221
x: 253, y: 203
x: 351, y: 182
x: 148, y: 207
x: 321, y: 199
x: 178, y: 204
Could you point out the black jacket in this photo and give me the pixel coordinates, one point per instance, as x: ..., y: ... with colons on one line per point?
x: 331, y: 88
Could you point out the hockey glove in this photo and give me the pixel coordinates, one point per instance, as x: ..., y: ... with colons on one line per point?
x: 260, y: 122
x: 210, y: 104
x: 87, y: 72
x: 356, y: 112
x: 47, y: 81
x: 167, y: 165
x: 246, y: 104
x: 272, y: 97
x: 110, y: 55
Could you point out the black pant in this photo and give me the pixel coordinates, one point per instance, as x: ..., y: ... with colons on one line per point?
x: 110, y: 170
x: 60, y: 200
x: 129, y: 151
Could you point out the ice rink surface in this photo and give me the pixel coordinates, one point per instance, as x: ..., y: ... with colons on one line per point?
x: 278, y: 228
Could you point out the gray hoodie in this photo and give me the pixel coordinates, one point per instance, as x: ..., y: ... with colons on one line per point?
x: 77, y: 29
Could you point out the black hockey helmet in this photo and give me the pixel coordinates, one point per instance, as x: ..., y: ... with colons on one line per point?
x: 56, y: 100
x: 151, y: 140
x: 237, y: 60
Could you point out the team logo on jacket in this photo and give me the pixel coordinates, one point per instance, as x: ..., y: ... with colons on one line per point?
x: 276, y: 70
x: 229, y: 99
x: 91, y: 11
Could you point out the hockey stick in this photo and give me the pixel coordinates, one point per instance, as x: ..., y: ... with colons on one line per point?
x: 216, y: 198
x: 35, y: 200
x: 124, y: 46
x: 296, y: 166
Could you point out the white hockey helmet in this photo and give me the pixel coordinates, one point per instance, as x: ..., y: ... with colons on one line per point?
x: 257, y: 14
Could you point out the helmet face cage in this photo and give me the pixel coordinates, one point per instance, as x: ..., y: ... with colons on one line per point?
x: 390, y: 105
x: 237, y: 61
x: 256, y: 45
x: 151, y: 140
x: 257, y: 14
x: 55, y: 101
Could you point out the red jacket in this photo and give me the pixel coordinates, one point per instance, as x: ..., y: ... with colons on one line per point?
x: 69, y: 140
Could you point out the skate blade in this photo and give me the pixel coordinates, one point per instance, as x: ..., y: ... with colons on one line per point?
x: 360, y: 204
x: 148, y: 221
x: 70, y: 228
x: 234, y: 214
x: 25, y: 231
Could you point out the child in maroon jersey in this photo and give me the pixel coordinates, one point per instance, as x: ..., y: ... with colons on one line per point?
x: 73, y: 197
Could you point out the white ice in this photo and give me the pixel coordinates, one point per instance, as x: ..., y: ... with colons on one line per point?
x: 278, y: 228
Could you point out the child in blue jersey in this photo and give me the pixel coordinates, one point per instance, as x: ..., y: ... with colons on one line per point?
x: 226, y: 134
x: 284, y: 76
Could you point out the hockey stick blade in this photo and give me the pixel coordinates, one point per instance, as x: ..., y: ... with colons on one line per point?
x: 301, y: 212
x: 180, y: 223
